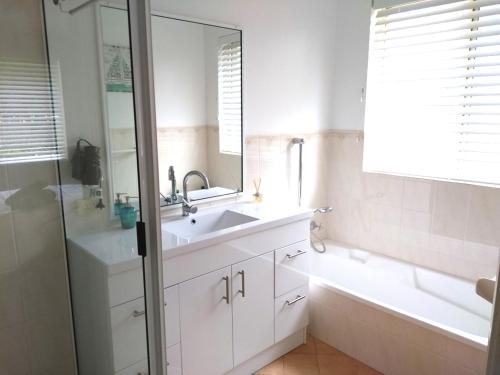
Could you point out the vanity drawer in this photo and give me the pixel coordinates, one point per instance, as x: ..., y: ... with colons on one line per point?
x: 172, y: 320
x: 291, y: 313
x: 174, y: 364
x: 292, y: 267
x: 125, y: 286
x: 128, y: 325
x: 139, y: 368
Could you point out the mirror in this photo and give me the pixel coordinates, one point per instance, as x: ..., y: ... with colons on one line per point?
x: 197, y: 70
x: 198, y: 82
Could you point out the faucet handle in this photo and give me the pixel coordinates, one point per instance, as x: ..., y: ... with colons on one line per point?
x: 187, y: 207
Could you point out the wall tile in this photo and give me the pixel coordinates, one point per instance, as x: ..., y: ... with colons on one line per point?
x: 14, y: 353
x: 484, y: 216
x: 38, y: 233
x: 451, y: 202
x: 417, y: 195
x: 8, y: 256
x: 11, y: 301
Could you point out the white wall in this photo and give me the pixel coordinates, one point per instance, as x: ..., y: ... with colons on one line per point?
x: 351, y: 63
x: 288, y: 48
x: 179, y: 70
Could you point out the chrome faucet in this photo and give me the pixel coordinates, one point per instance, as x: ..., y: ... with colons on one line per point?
x: 188, y: 208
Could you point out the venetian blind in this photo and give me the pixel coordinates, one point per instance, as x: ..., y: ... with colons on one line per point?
x: 31, y: 113
x: 229, y: 87
x: 433, y: 94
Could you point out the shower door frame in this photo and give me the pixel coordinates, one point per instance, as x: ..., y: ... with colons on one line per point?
x: 139, y: 13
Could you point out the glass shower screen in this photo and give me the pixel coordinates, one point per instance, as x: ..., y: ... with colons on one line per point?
x: 89, y: 51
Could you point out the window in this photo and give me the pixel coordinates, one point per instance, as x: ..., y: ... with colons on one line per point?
x: 433, y: 94
x: 31, y: 113
x: 229, y: 95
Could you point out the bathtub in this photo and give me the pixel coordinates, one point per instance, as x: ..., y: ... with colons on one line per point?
x: 403, y: 309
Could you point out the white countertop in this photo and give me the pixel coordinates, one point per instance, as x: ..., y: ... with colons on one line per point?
x: 116, y: 248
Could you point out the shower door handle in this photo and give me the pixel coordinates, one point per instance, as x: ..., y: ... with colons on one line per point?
x: 299, y: 252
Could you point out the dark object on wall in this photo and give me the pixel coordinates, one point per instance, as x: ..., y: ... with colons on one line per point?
x: 86, y: 163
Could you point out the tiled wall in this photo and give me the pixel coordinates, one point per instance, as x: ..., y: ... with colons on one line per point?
x: 446, y: 226
x: 223, y: 169
x: 185, y: 148
x: 274, y: 159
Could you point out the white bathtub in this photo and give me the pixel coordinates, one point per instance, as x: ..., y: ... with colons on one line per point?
x: 442, y: 302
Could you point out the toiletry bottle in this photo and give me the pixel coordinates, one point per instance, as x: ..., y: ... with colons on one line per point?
x: 118, y: 204
x: 128, y: 215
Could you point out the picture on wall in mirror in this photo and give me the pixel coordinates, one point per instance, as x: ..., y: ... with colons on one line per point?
x: 118, y: 69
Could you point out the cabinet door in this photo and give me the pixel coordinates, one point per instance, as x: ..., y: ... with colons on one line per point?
x: 253, y: 306
x: 171, y: 296
x: 206, y: 324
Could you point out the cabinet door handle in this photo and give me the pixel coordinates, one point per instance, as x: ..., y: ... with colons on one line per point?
x: 297, y: 299
x: 138, y: 313
x: 242, y: 290
x: 299, y: 252
x: 226, y: 297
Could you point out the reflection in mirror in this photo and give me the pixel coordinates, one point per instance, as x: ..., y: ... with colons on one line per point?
x: 197, y: 70
x: 198, y: 75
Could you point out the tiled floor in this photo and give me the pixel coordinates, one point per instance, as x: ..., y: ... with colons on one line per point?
x: 316, y: 358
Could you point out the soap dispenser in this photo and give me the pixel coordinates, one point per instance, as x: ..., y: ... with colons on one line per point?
x: 128, y: 215
x: 118, y: 204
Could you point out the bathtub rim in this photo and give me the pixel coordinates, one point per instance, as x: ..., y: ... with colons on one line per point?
x: 447, y: 331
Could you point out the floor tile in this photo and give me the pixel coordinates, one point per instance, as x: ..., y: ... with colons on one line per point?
x: 316, y: 358
x: 274, y: 368
x: 301, y: 364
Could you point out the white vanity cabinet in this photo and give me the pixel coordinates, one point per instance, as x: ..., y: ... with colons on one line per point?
x: 231, y: 307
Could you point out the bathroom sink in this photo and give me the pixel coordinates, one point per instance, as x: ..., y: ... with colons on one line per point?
x: 198, y: 225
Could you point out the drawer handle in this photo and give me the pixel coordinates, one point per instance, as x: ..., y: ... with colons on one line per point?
x: 138, y: 313
x: 242, y: 290
x: 297, y: 299
x: 299, y: 252
x: 226, y: 297
x: 143, y: 373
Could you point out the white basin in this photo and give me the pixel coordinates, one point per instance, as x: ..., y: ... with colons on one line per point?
x: 198, y: 225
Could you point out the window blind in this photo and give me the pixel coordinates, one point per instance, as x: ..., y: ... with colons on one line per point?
x: 229, y: 91
x: 31, y: 113
x: 433, y: 93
